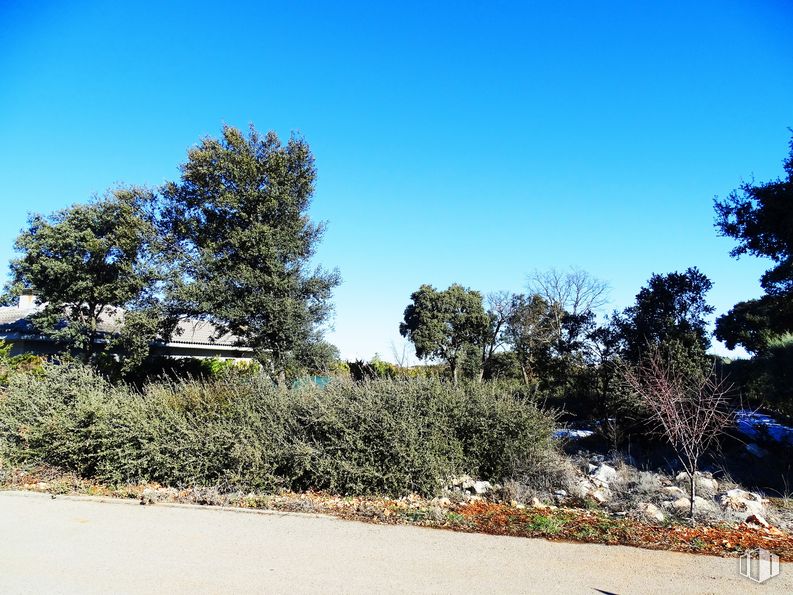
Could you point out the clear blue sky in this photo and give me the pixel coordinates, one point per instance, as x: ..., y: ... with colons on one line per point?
x: 465, y: 142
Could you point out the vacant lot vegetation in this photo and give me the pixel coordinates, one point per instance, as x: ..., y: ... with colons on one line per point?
x: 245, y: 433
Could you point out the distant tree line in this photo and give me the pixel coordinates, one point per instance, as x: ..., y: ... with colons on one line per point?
x: 551, y: 339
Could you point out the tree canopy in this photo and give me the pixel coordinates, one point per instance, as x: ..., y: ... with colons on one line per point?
x: 671, y: 308
x: 442, y: 324
x: 238, y: 224
x: 85, y: 262
x: 760, y: 218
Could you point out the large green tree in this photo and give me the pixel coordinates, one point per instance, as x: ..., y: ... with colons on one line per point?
x: 242, y: 240
x: 671, y: 309
x: 87, y: 262
x: 760, y: 218
x: 445, y: 324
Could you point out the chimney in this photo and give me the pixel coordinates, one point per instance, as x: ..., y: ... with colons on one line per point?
x: 27, y: 299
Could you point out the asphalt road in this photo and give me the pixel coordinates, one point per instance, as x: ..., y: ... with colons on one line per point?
x: 80, y: 545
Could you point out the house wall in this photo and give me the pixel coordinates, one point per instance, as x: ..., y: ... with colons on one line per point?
x: 40, y: 346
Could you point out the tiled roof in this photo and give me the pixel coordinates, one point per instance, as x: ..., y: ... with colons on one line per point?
x: 201, y: 332
x: 188, y: 331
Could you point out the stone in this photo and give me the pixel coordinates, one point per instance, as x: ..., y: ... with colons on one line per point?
x: 756, y: 519
x: 673, y: 492
x: 535, y: 503
x: 703, y: 482
x: 650, y: 512
x: 583, y: 489
x: 682, y: 505
x: 154, y: 495
x: 604, y: 473
x: 741, y: 501
x: 481, y: 487
x: 467, y: 483
x: 600, y: 495
x: 560, y: 493
x: 460, y: 482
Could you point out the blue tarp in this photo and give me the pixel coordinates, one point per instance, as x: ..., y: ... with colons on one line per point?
x: 758, y: 425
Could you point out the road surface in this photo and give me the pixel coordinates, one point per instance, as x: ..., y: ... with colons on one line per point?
x: 81, y: 545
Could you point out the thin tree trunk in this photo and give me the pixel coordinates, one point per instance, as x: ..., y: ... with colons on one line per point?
x: 693, y: 482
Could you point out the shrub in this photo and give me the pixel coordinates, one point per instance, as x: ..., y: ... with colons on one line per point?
x: 242, y: 432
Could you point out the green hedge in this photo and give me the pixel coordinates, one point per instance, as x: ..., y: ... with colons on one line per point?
x: 244, y: 433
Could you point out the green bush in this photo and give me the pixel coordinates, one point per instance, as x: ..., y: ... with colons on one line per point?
x: 245, y: 433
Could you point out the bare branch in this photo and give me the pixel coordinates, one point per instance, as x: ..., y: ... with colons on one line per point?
x: 690, y: 409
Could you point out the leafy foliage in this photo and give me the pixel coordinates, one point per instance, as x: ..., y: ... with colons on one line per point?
x: 671, y: 308
x: 760, y: 218
x: 238, y: 222
x: 87, y: 261
x: 242, y: 432
x: 441, y: 324
x: 755, y: 323
x: 14, y: 364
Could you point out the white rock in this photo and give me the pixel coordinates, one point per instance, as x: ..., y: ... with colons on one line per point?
x: 153, y: 495
x: 467, y: 483
x: 673, y: 492
x: 684, y: 504
x: 560, y: 493
x: 604, y: 473
x: 756, y: 519
x: 742, y: 501
x: 482, y: 487
x: 651, y: 512
x: 535, y: 503
x: 583, y: 489
x: 600, y: 495
x: 703, y: 482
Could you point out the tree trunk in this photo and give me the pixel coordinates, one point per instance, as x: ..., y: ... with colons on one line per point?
x: 525, y: 371
x: 454, y: 373
x: 693, y: 483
